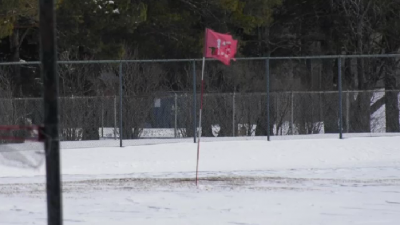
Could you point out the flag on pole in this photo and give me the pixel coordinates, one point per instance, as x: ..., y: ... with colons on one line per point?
x: 220, y: 46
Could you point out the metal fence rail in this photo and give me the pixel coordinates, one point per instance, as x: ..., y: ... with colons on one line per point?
x: 171, y: 116
x: 131, y: 99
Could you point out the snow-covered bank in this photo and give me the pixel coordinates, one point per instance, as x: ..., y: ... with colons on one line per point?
x: 299, y: 181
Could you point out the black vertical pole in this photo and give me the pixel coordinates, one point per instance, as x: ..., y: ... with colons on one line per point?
x: 120, y: 105
x: 48, y: 57
x: 267, y: 79
x: 194, y: 102
x: 340, y: 98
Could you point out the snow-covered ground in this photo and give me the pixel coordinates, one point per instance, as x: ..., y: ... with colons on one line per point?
x: 314, y: 180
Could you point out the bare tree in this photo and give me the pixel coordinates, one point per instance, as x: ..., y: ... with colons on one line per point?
x: 142, y: 84
x: 370, y: 30
x: 6, y: 106
x: 80, y: 103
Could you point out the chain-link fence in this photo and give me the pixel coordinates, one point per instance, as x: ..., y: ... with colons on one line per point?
x: 252, y: 97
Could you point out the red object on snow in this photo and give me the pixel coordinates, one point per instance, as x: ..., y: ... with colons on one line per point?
x: 220, y: 46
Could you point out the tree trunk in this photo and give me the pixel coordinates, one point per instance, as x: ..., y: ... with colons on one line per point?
x: 261, y: 128
x: 222, y: 109
x: 360, y: 108
x: 208, y: 116
x: 261, y: 122
x: 329, y: 101
x: 90, y: 128
x: 348, y: 81
x: 391, y: 98
x: 306, y: 107
x: 186, y: 116
x: 136, y: 112
x: 261, y: 125
x: 15, y: 57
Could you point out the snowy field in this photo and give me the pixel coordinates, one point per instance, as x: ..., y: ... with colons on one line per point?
x: 316, y: 180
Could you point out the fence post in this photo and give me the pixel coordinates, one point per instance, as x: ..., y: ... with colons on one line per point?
x: 340, y: 98
x: 233, y: 114
x: 102, y: 117
x: 276, y: 113
x: 120, y: 105
x: 267, y: 83
x: 347, y: 112
x: 176, y: 115
x: 291, y: 113
x: 115, y: 117
x: 48, y: 50
x: 194, y: 102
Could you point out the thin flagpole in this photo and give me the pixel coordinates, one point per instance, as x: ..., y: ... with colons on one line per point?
x: 200, y: 129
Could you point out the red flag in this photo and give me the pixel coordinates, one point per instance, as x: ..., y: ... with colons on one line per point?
x: 220, y: 46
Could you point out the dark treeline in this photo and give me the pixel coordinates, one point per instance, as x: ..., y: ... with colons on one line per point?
x: 165, y: 29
